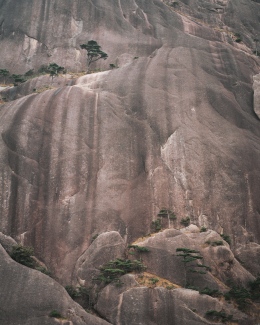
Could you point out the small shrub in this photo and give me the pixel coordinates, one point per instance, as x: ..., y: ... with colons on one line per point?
x: 18, y: 79
x: 214, y: 243
x: 203, y: 229
x: 167, y: 213
x: 210, y: 292
x: 185, y: 221
x: 43, y: 270
x: 174, y: 4
x: 140, y: 249
x: 217, y: 243
x: 238, y: 38
x: 156, y: 225
x: 94, y: 237
x: 112, y: 66
x: 54, y: 313
x: 191, y: 287
x: 29, y: 73
x: 170, y: 287
x: 172, y: 216
x: 219, y: 315
x: 163, y: 212
x: 136, y: 57
x: 113, y: 270
x: 240, y: 295
x: 72, y: 291
x: 23, y: 255
x: 255, y: 289
x: 226, y: 238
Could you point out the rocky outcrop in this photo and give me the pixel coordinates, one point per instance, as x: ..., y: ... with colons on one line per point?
x: 106, y: 247
x: 174, y: 127
x: 7, y: 242
x: 131, y: 305
x: 29, y: 297
x: 215, y: 252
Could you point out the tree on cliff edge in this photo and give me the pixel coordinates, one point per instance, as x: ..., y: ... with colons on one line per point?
x: 94, y: 52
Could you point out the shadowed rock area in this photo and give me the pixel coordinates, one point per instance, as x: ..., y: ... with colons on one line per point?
x: 175, y: 126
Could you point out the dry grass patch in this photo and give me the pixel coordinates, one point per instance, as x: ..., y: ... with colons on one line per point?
x: 151, y: 281
x: 43, y: 88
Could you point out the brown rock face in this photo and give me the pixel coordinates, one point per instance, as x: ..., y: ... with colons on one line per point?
x: 175, y: 126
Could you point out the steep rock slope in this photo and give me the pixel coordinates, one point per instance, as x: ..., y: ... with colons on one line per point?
x: 174, y: 126
x: 28, y: 297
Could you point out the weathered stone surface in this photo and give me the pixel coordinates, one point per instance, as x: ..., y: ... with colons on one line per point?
x: 130, y: 305
x: 7, y: 242
x: 58, y: 154
x: 162, y: 251
x: 249, y: 257
x: 256, y: 87
x: 174, y: 126
x: 106, y: 247
x: 27, y: 297
x: 36, y: 85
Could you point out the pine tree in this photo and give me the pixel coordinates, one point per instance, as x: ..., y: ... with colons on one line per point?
x: 94, y: 52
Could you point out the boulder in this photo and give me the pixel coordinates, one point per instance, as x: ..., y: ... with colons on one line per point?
x: 211, y: 249
x: 132, y: 305
x: 29, y: 297
x: 106, y: 247
x: 7, y: 242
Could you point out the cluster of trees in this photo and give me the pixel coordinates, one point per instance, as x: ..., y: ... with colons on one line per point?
x: 94, y: 53
x: 53, y: 69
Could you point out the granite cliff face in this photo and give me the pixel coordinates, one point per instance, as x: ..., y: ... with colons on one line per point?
x: 175, y: 126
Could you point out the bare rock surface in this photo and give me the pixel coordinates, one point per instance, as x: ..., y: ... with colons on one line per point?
x: 130, y: 305
x: 106, y: 247
x: 175, y: 126
x: 27, y: 297
x: 106, y: 154
x: 163, y: 250
x: 249, y: 256
x: 7, y: 242
x: 256, y: 87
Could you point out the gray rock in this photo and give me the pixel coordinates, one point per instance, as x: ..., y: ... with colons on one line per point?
x: 249, y: 257
x: 174, y: 126
x: 106, y: 247
x: 146, y: 306
x: 27, y: 297
x: 223, y: 265
x: 256, y: 86
x: 7, y: 242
